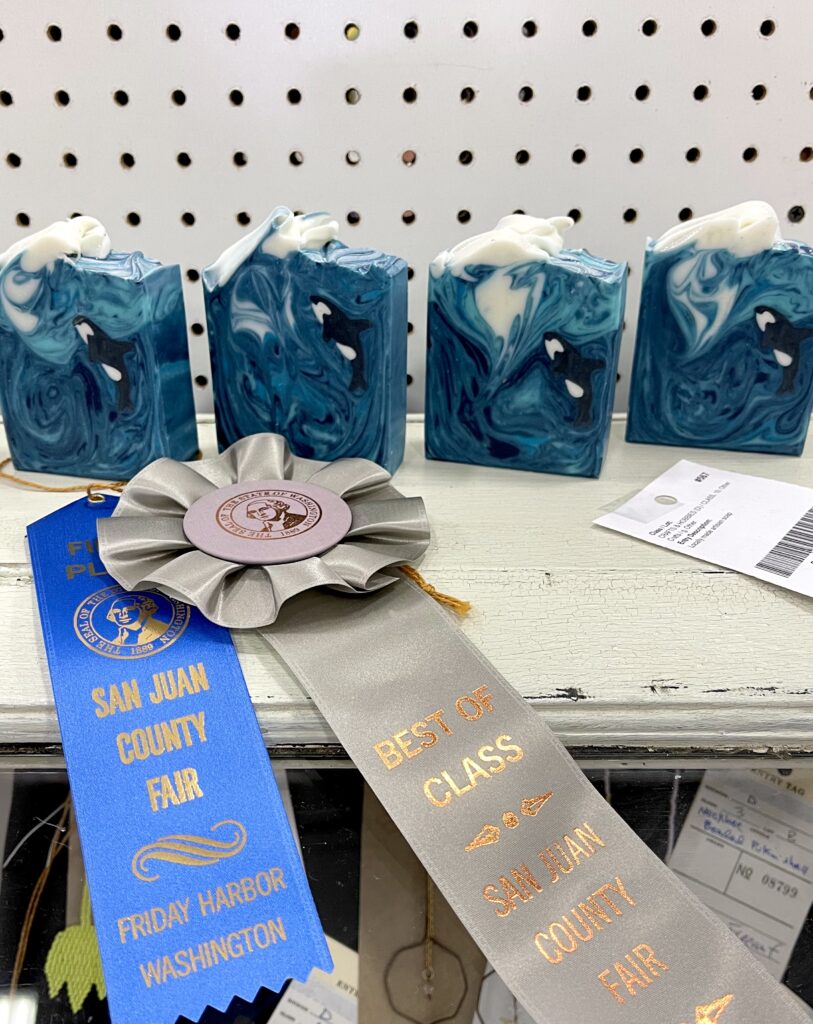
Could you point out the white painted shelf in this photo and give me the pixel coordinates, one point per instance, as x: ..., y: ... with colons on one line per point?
x: 631, y: 653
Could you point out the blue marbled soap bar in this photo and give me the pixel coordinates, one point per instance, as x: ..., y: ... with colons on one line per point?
x: 94, y: 367
x: 308, y: 339
x: 724, y: 352
x: 522, y: 357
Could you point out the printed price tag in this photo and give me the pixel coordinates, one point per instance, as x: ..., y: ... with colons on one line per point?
x: 746, y: 850
x: 751, y: 524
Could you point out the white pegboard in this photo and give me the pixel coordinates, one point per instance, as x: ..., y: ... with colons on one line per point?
x: 684, y: 107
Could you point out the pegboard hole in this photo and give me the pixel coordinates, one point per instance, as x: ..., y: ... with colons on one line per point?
x: 13, y: 159
x: 201, y: 381
x: 518, y: 213
x: 243, y: 219
x: 23, y: 220
x: 188, y: 218
x: 649, y: 27
x: 470, y: 29
x: 589, y: 27
x: 410, y: 94
x: 352, y: 96
x: 636, y: 155
x: 526, y: 94
x: 178, y: 97
x: 292, y: 30
x: 193, y: 275
x: 642, y: 92
x: 351, y: 31
x: 133, y: 218
x: 236, y: 98
x: 467, y: 94
x: 411, y: 29
x: 463, y: 216
x: 121, y: 98
x: 767, y: 28
x: 759, y: 92
x: 574, y: 214
x: 127, y: 160
x: 408, y: 157
x: 6, y: 99
x: 583, y: 93
x: 749, y: 154
x: 296, y: 158
x: 693, y: 155
x: 196, y: 328
x: 708, y: 27
x: 408, y: 216
x: 409, y: 379
x: 796, y: 214
x: 410, y: 273
x: 685, y: 213
x: 529, y: 29
x: 701, y: 92
x: 294, y: 96
x: 410, y: 327
x: 173, y: 32
x: 233, y: 31
x: 352, y: 157
x: 69, y: 159
x: 630, y: 215
x: 61, y: 96
x: 522, y: 156
x: 114, y: 32
x: 806, y: 154
x: 353, y: 217
x: 465, y: 157
x: 54, y: 33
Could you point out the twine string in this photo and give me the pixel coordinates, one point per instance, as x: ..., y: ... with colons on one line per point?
x: 459, y: 606
x: 90, y: 489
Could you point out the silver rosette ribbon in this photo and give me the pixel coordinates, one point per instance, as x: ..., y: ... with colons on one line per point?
x: 262, y: 535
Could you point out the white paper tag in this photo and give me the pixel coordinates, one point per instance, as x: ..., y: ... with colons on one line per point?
x: 746, y: 849
x: 751, y: 524
x: 323, y: 997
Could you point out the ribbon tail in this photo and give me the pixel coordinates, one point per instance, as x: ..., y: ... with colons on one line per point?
x: 569, y: 905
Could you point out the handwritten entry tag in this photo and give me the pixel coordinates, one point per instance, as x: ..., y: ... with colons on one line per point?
x: 746, y: 850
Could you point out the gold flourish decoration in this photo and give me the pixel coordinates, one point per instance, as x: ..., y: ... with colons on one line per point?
x: 487, y: 835
x: 712, y: 1012
x: 532, y: 806
x: 191, y: 851
x: 490, y: 834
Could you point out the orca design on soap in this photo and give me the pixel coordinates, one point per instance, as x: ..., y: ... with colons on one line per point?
x: 524, y: 337
x: 308, y: 339
x: 724, y: 351
x: 94, y: 366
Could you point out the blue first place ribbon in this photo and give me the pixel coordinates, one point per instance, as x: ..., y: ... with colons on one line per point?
x: 196, y: 884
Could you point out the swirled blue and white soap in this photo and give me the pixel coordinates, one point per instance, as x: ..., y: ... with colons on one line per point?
x: 724, y: 352
x: 524, y: 336
x: 94, y: 366
x: 308, y: 339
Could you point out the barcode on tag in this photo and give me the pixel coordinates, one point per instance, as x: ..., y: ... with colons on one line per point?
x: 786, y: 557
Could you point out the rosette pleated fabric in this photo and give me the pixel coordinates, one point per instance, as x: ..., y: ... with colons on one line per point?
x: 144, y: 545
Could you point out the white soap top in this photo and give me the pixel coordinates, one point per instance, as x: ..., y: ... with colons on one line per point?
x: 281, y: 233
x: 79, y: 236
x: 516, y: 239
x: 743, y: 230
